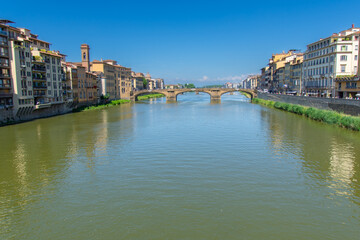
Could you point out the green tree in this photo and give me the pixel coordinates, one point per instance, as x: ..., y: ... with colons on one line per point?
x: 189, y: 85
x: 145, y: 83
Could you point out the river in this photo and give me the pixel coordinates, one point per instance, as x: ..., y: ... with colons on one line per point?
x: 186, y: 170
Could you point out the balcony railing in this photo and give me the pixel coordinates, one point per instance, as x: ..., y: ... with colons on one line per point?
x: 5, y: 86
x: 4, y: 54
x: 40, y: 68
x: 39, y: 85
x: 39, y: 77
x: 39, y: 94
x: 3, y: 33
x: 4, y: 75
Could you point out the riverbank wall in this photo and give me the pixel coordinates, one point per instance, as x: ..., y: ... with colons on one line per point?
x: 8, y: 116
x: 346, y: 106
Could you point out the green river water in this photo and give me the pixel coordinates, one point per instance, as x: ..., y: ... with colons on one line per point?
x: 186, y: 170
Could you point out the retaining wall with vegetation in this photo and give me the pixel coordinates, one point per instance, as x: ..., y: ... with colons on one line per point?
x: 326, y: 116
x: 347, y: 106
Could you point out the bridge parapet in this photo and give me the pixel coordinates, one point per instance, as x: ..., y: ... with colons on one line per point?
x: 171, y: 94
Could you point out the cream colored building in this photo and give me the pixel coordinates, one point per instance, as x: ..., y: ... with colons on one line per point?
x: 328, y: 59
x: 138, y: 81
x: 36, y: 72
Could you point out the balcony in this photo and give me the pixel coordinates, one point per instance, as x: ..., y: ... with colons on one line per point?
x: 4, y: 33
x: 4, y: 64
x: 5, y: 86
x: 38, y: 59
x: 42, y: 105
x: 39, y: 94
x: 38, y: 77
x: 40, y: 86
x: 4, y: 75
x: 3, y: 43
x: 4, y: 54
x: 39, y: 68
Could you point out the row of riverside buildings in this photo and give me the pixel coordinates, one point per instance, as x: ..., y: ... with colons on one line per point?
x: 33, y: 77
x: 328, y: 68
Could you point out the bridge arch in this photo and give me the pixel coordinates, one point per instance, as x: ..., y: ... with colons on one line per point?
x: 192, y: 90
x: 251, y: 92
x: 171, y: 94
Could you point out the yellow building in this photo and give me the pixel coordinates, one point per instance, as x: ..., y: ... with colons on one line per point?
x: 138, y: 80
x: 116, y: 79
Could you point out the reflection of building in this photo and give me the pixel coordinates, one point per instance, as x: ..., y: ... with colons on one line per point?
x: 328, y: 59
x: 342, y: 164
x: 321, y: 152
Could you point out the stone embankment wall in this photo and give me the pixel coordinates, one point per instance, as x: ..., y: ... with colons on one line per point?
x: 8, y: 117
x: 347, y: 106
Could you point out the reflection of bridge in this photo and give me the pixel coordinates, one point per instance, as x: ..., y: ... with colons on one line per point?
x: 171, y: 94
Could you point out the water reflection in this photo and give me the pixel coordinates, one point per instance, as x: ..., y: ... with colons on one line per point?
x: 328, y: 154
x: 41, y: 153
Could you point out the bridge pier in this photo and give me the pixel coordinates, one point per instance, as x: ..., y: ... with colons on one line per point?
x: 170, y: 99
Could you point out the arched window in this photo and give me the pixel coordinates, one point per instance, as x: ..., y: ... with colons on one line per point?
x: 84, y: 56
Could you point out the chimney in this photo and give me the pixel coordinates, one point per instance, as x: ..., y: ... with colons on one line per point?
x: 352, y: 26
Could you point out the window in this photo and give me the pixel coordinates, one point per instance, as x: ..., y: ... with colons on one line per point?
x: 355, y: 69
x: 356, y: 47
x: 356, y: 57
x: 343, y: 48
x: 343, y: 58
x: 343, y: 68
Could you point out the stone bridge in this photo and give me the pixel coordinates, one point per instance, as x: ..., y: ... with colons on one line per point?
x: 171, y: 94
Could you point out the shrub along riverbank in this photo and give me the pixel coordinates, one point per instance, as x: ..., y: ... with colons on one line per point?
x: 329, y: 117
x: 101, y: 106
x: 154, y: 95
x: 246, y: 94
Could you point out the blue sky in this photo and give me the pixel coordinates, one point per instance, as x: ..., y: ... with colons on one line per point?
x: 202, y: 42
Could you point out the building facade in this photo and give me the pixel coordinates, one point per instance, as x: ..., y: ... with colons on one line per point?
x: 116, y: 79
x: 328, y: 59
x: 6, y: 87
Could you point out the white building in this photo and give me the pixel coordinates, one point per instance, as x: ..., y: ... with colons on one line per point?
x: 328, y: 58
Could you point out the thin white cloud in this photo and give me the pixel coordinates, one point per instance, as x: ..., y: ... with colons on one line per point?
x: 236, y: 78
x: 204, y: 79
